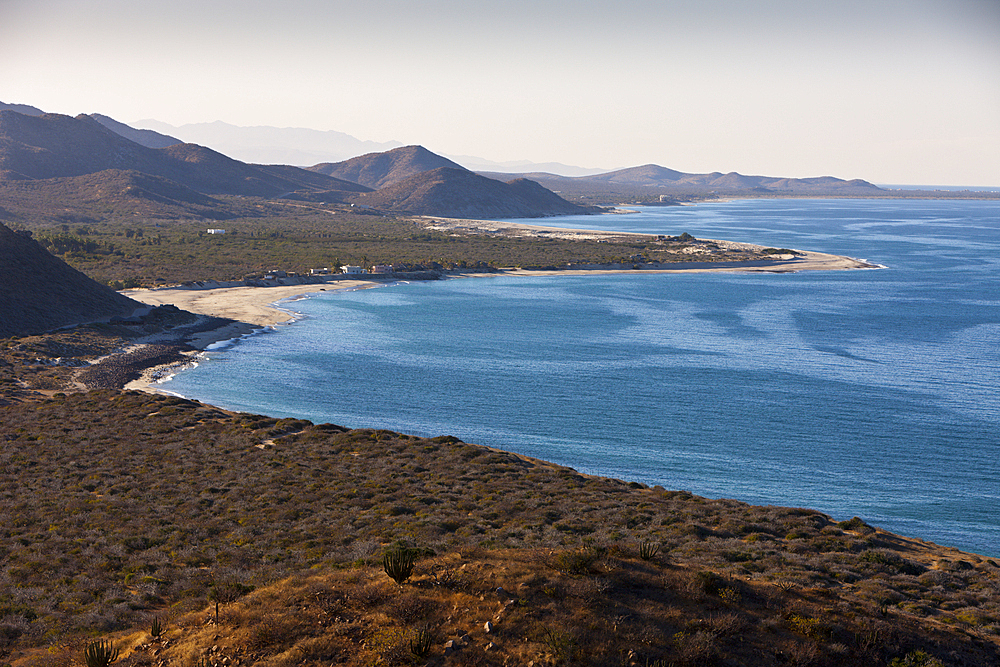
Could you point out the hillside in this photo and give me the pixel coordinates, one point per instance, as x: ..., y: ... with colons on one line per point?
x: 41, y: 292
x: 56, y: 146
x: 459, y: 193
x: 379, y: 170
x: 131, y: 506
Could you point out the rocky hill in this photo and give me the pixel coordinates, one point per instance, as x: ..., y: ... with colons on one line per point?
x: 56, y: 146
x: 379, y: 170
x: 459, y: 193
x: 41, y: 292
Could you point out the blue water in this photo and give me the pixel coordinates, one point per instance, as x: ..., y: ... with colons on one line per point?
x: 870, y: 392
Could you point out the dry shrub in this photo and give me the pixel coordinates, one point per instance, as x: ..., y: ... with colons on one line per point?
x: 410, y: 608
x: 574, y: 561
x: 369, y: 596
x: 803, y: 654
x: 277, y: 631
x: 726, y: 625
x: 696, y: 649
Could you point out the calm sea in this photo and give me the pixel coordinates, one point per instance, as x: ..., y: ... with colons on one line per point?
x: 873, y: 393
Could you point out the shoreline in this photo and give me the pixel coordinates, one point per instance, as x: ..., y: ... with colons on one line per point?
x: 249, y: 310
x: 252, y: 309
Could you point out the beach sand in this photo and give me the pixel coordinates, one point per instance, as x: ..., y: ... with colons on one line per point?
x: 253, y: 308
x: 235, y: 301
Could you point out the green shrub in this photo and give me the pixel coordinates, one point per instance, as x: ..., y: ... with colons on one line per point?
x: 856, y: 525
x: 709, y: 582
x: 576, y: 561
x: 892, y: 561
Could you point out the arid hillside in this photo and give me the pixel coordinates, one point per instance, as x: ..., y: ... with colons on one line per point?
x: 379, y: 170
x: 55, y: 146
x: 127, y: 507
x: 459, y: 193
x: 41, y: 292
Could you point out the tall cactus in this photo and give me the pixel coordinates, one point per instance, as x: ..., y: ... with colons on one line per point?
x: 100, y: 654
x: 398, y: 563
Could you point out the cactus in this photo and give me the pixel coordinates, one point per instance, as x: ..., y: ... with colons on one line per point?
x: 100, y: 654
x: 155, y: 628
x: 398, y: 563
x: 421, y: 642
x: 648, y: 550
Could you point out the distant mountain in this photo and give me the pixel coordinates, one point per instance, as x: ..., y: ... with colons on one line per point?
x: 147, y: 138
x: 271, y: 145
x: 460, y: 193
x: 655, y: 176
x: 378, y: 170
x: 21, y: 108
x: 41, y: 292
x: 522, y: 166
x: 55, y: 146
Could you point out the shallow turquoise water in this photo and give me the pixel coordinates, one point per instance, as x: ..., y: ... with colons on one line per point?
x: 870, y: 393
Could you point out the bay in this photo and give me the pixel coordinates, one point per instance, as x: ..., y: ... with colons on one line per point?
x: 870, y: 393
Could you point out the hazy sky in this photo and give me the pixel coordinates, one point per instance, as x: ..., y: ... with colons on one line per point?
x: 892, y: 91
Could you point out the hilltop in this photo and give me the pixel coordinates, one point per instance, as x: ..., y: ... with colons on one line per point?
x: 459, y: 193
x: 41, y: 292
x: 26, y: 109
x: 379, y: 170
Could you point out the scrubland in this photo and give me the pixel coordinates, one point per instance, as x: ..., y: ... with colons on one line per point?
x: 256, y: 540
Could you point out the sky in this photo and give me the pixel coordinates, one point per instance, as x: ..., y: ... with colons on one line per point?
x: 890, y: 91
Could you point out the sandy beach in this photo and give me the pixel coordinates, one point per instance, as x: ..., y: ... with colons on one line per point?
x: 254, y: 307
x: 236, y: 301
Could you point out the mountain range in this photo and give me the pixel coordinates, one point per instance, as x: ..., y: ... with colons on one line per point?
x: 651, y: 175
x: 94, y: 157
x: 302, y: 146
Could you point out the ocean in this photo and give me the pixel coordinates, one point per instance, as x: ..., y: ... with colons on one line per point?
x: 873, y: 393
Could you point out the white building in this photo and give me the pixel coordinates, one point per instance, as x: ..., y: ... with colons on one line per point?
x: 216, y: 231
x: 352, y: 269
